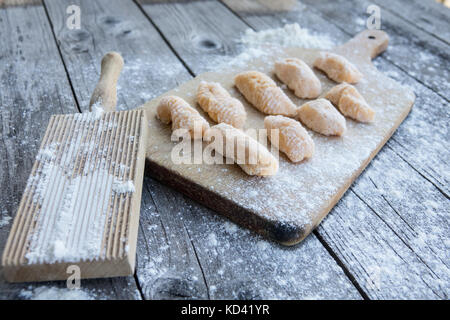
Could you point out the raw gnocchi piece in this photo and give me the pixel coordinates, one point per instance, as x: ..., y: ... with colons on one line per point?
x: 350, y: 102
x: 249, y: 154
x: 220, y: 105
x: 337, y: 68
x: 320, y: 115
x: 335, y: 93
x: 182, y: 115
x: 293, y: 139
x: 262, y: 92
x: 299, y: 77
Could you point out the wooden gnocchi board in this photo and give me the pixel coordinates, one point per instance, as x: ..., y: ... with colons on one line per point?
x: 288, y: 206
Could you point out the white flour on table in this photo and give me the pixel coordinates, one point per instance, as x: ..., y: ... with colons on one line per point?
x: 255, y: 44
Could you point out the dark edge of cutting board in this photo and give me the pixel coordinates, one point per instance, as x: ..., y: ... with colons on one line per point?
x: 287, y: 234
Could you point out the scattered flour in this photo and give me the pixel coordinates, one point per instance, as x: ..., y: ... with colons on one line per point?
x: 291, y: 35
x: 4, y: 221
x: 123, y: 187
x: 256, y: 44
x: 53, y: 293
x: 230, y: 227
x: 47, y: 153
x: 96, y: 113
x: 212, y: 240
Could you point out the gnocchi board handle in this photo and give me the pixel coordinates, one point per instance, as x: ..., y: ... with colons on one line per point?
x: 365, y: 45
x: 105, y: 91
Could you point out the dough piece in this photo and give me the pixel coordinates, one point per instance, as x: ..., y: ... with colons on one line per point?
x: 337, y: 68
x: 220, y: 105
x: 249, y: 154
x: 293, y: 139
x: 182, y: 115
x: 299, y: 77
x: 262, y: 92
x: 320, y: 115
x: 350, y: 102
x: 335, y: 93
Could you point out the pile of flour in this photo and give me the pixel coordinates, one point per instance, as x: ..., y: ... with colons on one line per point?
x: 255, y: 44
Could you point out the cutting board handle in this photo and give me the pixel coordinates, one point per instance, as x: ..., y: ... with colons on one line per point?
x: 105, y: 92
x: 367, y: 44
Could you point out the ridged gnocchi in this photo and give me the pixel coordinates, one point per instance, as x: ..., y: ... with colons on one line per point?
x: 320, y: 115
x: 249, y: 154
x: 337, y: 68
x: 299, y: 77
x: 263, y: 93
x: 173, y: 109
x: 350, y: 102
x: 293, y: 139
x: 220, y: 105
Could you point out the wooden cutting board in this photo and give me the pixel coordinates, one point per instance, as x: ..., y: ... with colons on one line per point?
x: 288, y: 206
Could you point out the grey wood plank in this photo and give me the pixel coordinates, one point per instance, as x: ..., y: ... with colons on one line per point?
x: 427, y: 15
x: 33, y: 86
x: 150, y: 69
x: 414, y: 51
x: 433, y: 112
x: 236, y: 262
x: 202, y: 43
x: 383, y: 230
x: 169, y: 269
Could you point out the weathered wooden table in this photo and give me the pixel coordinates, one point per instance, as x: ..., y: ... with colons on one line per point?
x: 388, y: 237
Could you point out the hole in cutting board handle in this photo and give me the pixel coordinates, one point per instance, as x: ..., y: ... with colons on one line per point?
x: 371, y: 37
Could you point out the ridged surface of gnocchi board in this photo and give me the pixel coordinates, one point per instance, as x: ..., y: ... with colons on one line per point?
x: 80, y: 207
x: 286, y: 207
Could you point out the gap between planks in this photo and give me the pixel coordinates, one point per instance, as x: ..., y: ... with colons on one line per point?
x: 60, y: 55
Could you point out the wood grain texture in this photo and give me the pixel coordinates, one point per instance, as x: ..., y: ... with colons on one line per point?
x: 203, y: 43
x: 306, y: 279
x: 421, y: 143
x: 12, y: 3
x: 427, y: 15
x: 377, y: 246
x: 414, y: 51
x: 431, y: 119
x: 115, y: 26
x: 34, y: 86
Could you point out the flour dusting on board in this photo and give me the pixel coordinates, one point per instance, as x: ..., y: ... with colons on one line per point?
x: 290, y: 35
x: 256, y: 44
x: 123, y: 187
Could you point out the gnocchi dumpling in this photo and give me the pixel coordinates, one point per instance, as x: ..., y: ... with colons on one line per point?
x: 220, y: 105
x: 299, y: 77
x: 320, y: 115
x: 249, y: 154
x: 263, y: 93
x: 350, y: 102
x: 337, y: 68
x: 173, y: 109
x: 292, y: 138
